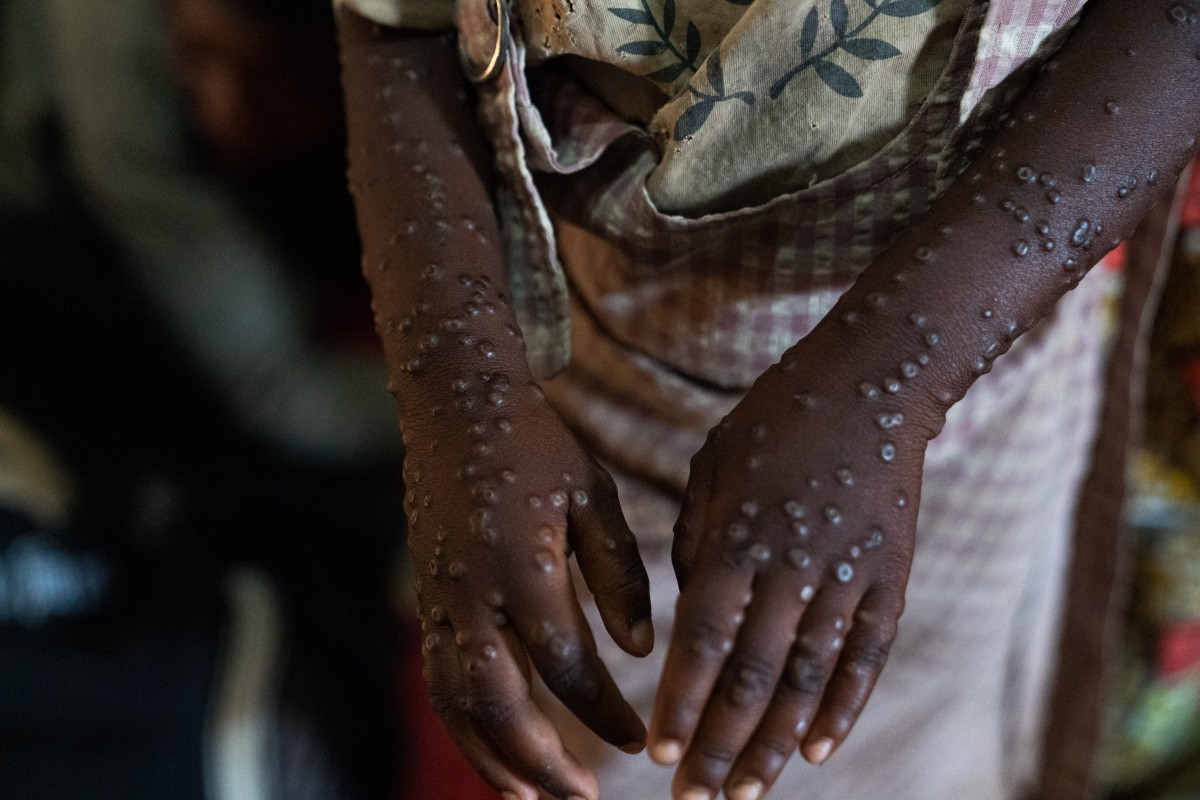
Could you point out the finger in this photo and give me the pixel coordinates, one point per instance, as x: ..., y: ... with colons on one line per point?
x: 448, y: 693
x: 709, y: 614
x: 689, y: 528
x: 801, y: 685
x: 862, y: 659
x: 502, y: 711
x: 745, y: 689
x: 560, y: 644
x: 611, y: 566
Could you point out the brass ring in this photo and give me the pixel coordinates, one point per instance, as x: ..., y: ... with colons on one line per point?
x: 498, y: 54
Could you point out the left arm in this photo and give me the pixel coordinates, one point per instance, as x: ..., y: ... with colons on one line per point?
x: 796, y: 537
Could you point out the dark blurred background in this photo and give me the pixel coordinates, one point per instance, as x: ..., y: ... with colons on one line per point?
x: 200, y: 518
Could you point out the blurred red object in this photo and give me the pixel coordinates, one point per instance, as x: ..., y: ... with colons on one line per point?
x: 1190, y: 215
x: 433, y: 769
x: 1189, y: 376
x: 1115, y: 260
x: 1178, y: 648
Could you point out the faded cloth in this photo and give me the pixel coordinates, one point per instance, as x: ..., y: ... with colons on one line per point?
x: 703, y: 234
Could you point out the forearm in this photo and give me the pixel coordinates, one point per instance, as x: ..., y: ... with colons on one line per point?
x: 1107, y: 124
x: 499, y: 493
x: 421, y: 180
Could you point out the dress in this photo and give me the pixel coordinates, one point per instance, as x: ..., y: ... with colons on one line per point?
x: 680, y: 294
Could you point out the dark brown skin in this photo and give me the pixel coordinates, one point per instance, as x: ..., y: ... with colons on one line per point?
x: 797, y: 533
x: 500, y: 493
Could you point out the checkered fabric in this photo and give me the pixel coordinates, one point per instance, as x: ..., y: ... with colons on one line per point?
x: 961, y: 708
x: 1014, y: 30
x: 733, y: 289
x: 654, y: 324
x: 672, y: 317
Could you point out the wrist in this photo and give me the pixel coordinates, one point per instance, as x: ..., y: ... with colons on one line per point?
x: 452, y: 395
x: 877, y: 364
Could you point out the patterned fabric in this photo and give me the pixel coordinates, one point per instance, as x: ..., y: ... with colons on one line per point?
x: 726, y: 119
x: 674, y: 315
x: 1014, y: 30
x: 734, y: 128
x: 960, y: 709
x: 545, y: 122
x: 546, y: 125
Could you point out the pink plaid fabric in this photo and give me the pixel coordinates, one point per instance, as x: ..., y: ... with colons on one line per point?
x: 716, y: 299
x: 1015, y: 29
x: 799, y: 250
x: 670, y: 320
x: 959, y: 711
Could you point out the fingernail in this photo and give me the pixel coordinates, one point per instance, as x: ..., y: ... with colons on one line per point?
x: 633, y: 748
x: 750, y: 789
x: 643, y: 636
x: 819, y: 750
x: 696, y: 793
x: 666, y: 752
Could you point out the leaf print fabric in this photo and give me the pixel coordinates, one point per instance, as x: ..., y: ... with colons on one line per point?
x: 758, y: 98
x: 690, y: 121
x: 852, y: 42
x: 749, y: 99
x: 834, y: 76
x: 685, y: 61
x: 831, y: 81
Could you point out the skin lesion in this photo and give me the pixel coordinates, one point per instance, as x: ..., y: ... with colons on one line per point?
x: 805, y: 674
x: 749, y: 681
x: 862, y: 518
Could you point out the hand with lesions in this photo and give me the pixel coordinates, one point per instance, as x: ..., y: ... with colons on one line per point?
x: 501, y: 496
x: 792, y: 552
x: 796, y: 537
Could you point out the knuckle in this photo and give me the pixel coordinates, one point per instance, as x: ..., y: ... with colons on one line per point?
x: 545, y: 777
x: 840, y: 720
x: 868, y: 655
x: 887, y: 629
x: 446, y: 702
x: 629, y: 577
x: 883, y: 619
x: 491, y: 712
x: 568, y: 676
x: 776, y: 748
x: 715, y: 757
x: 706, y: 641
x: 749, y: 681
x: 806, y: 673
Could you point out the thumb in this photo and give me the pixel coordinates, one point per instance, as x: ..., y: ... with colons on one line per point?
x: 608, y: 558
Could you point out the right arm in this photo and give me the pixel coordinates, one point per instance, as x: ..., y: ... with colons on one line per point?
x: 499, y: 492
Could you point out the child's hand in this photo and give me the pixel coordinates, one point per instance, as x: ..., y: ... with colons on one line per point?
x: 500, y: 495
x: 792, y: 551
